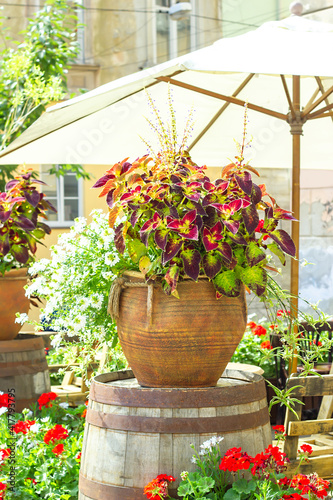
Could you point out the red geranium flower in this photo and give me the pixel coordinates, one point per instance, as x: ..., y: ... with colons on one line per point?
x: 234, y: 460
x: 282, y: 312
x: 44, y: 400
x: 259, y: 331
x: 251, y: 324
x: 4, y: 401
x: 158, y: 488
x: 78, y: 456
x: 266, y: 345
x: 278, y: 428
x: 23, y: 426
x: 57, y: 433
x: 84, y: 413
x: 306, y: 448
x: 58, y: 450
x: 32, y: 480
x: 3, y: 486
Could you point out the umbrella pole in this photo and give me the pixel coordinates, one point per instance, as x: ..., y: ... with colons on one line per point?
x: 296, y: 131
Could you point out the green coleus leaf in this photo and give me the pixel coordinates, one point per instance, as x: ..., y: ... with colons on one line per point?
x: 255, y: 278
x: 254, y: 254
x: 38, y: 233
x: 276, y: 250
x: 136, y: 250
x: 285, y: 242
x: 212, y: 264
x: 227, y: 283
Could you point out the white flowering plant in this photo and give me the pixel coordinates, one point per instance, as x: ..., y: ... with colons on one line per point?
x: 75, y: 283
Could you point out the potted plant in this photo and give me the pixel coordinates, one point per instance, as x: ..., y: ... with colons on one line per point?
x: 198, y: 244
x: 21, y: 207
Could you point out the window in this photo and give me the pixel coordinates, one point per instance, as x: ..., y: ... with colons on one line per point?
x: 65, y: 194
x: 171, y: 38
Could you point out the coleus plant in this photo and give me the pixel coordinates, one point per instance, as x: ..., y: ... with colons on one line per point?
x: 21, y: 207
x: 178, y: 223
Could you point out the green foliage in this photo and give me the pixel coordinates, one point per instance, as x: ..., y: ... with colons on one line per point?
x: 39, y: 471
x: 34, y: 73
x: 21, y: 208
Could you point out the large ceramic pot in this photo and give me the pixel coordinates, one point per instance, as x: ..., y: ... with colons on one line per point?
x: 12, y: 300
x: 185, y: 342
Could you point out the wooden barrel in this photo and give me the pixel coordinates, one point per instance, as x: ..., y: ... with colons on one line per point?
x: 133, y: 433
x: 23, y: 367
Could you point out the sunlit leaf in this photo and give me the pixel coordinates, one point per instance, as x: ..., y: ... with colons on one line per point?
x: 227, y: 283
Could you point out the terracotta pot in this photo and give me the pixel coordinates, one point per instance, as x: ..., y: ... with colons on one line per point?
x: 184, y: 342
x: 12, y: 300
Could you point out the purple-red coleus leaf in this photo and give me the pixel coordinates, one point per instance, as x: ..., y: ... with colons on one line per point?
x: 25, y: 223
x: 109, y: 198
x: 209, y: 186
x: 171, y: 250
x: 32, y: 197
x: 191, y: 191
x: 103, y: 180
x: 185, y: 227
x: 171, y: 279
x: 221, y: 185
x: 208, y: 199
x: 229, y: 208
x: 225, y: 250
x: 211, y: 237
x: 191, y: 260
x: 250, y: 218
x: 20, y: 253
x: 212, y: 264
x: 119, y: 239
x: 161, y: 237
x: 48, y: 205
x: 44, y: 227
x: 132, y: 194
x: 246, y: 202
x: 232, y: 226
x: 152, y: 224
x: 199, y: 208
x: 199, y: 223
x: 285, y: 242
x: 238, y: 238
x: 11, y: 183
x: 135, y: 215
x: 244, y: 181
x: 4, y: 216
x: 256, y: 194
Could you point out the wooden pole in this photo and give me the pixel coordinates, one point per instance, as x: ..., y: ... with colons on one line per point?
x: 295, y: 203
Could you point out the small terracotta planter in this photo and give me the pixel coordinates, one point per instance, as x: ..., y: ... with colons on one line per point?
x: 12, y: 300
x: 184, y: 342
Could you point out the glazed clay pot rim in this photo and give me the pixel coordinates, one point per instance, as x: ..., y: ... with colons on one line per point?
x: 19, y: 273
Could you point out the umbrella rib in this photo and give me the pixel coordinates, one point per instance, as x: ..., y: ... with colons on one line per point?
x: 319, y: 112
x: 230, y: 99
x: 322, y: 90
x: 292, y: 109
x: 220, y: 111
x: 308, y: 109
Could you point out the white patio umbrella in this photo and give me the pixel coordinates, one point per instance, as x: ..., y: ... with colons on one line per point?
x: 284, y: 70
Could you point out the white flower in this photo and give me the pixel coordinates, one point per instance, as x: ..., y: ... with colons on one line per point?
x: 194, y: 459
x: 184, y: 475
x: 79, y: 224
x: 45, y: 419
x: 64, y: 405
x: 3, y: 410
x: 35, y: 427
x: 21, y: 318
